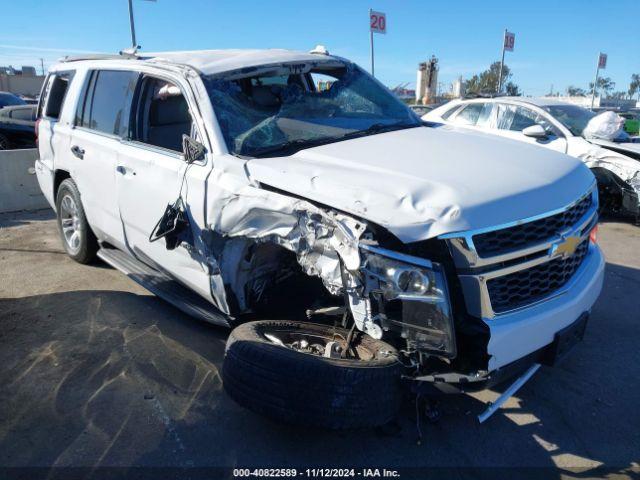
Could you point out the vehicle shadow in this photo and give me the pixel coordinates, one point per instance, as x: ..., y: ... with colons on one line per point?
x: 15, y: 219
x: 104, y: 378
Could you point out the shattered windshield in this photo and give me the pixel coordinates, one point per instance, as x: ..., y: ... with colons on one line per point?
x: 571, y: 116
x: 296, y: 106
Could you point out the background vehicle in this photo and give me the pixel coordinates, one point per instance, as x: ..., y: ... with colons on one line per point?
x: 9, y: 99
x: 421, y: 109
x: 632, y: 122
x: 231, y: 185
x: 557, y: 126
x: 17, y: 127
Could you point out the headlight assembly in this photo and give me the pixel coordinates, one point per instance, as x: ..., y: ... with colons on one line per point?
x: 414, y: 299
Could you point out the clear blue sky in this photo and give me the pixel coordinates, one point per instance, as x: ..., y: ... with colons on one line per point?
x: 557, y: 42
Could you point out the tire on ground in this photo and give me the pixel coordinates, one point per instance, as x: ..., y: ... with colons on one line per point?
x: 305, y: 389
x: 88, y: 242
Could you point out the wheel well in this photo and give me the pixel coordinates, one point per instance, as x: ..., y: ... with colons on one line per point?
x: 60, y: 175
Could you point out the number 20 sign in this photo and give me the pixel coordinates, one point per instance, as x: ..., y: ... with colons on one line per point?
x: 377, y: 22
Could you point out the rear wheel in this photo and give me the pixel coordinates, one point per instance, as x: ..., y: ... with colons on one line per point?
x: 78, y: 239
x: 294, y: 372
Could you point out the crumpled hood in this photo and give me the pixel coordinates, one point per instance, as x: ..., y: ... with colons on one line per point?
x: 423, y: 182
x: 631, y: 149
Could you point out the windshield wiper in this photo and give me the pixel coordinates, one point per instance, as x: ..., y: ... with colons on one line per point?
x: 379, y: 128
x: 293, y: 146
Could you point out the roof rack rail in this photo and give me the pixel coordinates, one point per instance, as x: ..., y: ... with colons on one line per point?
x: 125, y: 54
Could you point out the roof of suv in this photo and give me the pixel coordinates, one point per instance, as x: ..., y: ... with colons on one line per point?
x: 216, y: 61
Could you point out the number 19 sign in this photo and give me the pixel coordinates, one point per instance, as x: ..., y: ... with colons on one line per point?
x: 377, y: 22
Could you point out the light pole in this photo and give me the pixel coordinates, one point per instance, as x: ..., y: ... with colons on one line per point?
x: 371, y: 44
x: 595, y: 82
x: 134, y: 44
x: 501, y: 62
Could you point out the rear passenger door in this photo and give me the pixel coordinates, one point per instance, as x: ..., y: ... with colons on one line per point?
x: 152, y: 173
x: 102, y: 120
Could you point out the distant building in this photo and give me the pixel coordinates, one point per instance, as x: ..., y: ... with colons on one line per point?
x: 599, y: 102
x: 24, y: 81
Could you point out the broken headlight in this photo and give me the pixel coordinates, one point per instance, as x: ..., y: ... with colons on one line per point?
x: 412, y: 299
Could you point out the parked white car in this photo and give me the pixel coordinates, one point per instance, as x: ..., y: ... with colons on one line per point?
x: 557, y: 126
x: 230, y: 185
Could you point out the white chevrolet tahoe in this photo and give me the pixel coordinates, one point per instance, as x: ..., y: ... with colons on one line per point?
x: 355, y: 251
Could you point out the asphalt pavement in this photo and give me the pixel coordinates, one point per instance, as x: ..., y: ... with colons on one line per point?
x: 97, y: 372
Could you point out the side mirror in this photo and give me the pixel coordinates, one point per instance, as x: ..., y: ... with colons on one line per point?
x: 535, y: 131
x: 193, y: 150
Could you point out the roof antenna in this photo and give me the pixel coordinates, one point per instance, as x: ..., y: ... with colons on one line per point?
x: 319, y: 50
x: 131, y: 52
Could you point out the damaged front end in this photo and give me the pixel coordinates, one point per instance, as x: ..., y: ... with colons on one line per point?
x: 284, y: 246
x: 618, y: 178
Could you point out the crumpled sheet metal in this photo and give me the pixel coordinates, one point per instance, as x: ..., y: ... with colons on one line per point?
x: 624, y: 167
x: 321, y: 240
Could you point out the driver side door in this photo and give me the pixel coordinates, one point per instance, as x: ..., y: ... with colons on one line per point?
x: 151, y: 173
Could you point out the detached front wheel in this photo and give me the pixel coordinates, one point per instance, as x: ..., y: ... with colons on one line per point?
x: 294, y: 372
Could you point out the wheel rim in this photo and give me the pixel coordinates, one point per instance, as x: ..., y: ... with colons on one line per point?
x: 328, y: 345
x: 70, y: 224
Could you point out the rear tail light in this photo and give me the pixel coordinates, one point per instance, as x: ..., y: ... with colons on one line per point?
x: 593, y: 234
x: 36, y: 128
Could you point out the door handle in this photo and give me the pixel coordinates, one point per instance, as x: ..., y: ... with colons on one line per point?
x: 77, y: 151
x: 121, y: 169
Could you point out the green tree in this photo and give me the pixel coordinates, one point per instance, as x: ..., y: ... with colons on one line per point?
x: 576, y: 91
x: 634, y: 86
x: 512, y: 89
x: 487, y: 81
x: 605, y: 84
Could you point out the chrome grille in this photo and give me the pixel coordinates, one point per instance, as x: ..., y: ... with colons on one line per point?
x: 524, y: 287
x: 520, y: 264
x: 521, y: 236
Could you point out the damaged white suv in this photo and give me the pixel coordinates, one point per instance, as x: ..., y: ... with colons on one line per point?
x: 253, y: 185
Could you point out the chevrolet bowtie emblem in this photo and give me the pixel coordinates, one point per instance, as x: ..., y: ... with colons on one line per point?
x: 565, y: 247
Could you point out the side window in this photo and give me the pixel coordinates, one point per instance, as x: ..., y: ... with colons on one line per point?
x: 322, y: 82
x: 516, y: 118
x: 106, y: 102
x: 450, y: 112
x: 474, y: 114
x: 56, y: 93
x: 161, y: 115
x: 26, y: 113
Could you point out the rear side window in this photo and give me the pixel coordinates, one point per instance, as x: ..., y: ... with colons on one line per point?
x: 475, y: 114
x: 56, y: 93
x: 106, y: 102
x: 449, y: 112
x: 26, y: 113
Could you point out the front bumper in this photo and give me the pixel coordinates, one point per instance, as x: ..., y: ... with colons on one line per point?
x: 525, y: 337
x: 548, y: 355
x: 522, y: 332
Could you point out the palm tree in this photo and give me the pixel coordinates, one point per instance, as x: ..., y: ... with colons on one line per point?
x: 634, y: 86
